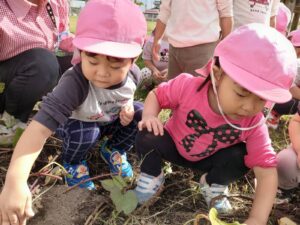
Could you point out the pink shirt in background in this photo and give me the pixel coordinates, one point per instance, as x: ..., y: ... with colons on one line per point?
x: 23, y: 26
x: 199, y: 132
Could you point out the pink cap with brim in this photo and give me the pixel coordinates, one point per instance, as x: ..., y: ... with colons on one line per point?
x: 260, y: 59
x: 111, y: 27
x: 295, y: 37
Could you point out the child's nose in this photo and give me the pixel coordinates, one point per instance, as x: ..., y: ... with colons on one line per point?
x: 101, y: 71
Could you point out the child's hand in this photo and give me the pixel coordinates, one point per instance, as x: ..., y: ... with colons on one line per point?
x: 126, y: 115
x: 156, y: 73
x: 163, y: 74
x: 66, y: 43
x: 153, y: 124
x: 251, y: 221
x: 160, y: 75
x: 15, y: 205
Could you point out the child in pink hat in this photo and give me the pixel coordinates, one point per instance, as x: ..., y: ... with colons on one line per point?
x: 289, y: 107
x: 294, y: 36
x: 93, y: 99
x: 217, y: 125
x: 155, y: 71
x: 283, y: 18
x: 289, y: 158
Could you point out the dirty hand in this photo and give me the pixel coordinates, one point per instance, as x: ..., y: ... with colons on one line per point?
x: 15, y: 205
x: 152, y: 124
x: 155, y: 51
x: 126, y: 115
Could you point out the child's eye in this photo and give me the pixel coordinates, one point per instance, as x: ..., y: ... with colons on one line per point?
x: 92, y: 63
x: 240, y: 95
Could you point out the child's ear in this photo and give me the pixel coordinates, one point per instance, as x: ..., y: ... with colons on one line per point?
x: 217, y: 72
x: 134, y: 60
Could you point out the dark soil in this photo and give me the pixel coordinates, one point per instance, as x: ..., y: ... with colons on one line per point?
x: 71, y: 208
x: 178, y: 204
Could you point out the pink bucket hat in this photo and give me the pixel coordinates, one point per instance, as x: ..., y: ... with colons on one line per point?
x: 283, y: 18
x: 260, y: 59
x: 111, y: 27
x: 295, y: 37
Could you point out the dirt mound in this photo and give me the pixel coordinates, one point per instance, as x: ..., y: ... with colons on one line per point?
x: 71, y: 208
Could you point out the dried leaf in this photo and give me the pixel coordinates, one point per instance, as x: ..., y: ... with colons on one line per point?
x: 213, y: 217
x: 286, y: 221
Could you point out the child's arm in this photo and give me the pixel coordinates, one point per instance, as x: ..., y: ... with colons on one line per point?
x: 159, y: 33
x: 15, y: 198
x: 264, y: 195
x: 294, y: 133
x: 150, y: 118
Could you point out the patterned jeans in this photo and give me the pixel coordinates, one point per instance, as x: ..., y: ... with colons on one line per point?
x: 79, y: 136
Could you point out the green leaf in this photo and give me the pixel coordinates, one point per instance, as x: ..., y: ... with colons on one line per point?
x: 119, y: 182
x: 213, y: 217
x: 108, y: 184
x: 124, y: 202
x: 130, y: 202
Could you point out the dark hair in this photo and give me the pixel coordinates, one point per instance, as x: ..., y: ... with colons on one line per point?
x: 217, y: 63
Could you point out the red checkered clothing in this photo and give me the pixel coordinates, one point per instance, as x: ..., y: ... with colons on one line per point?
x: 24, y: 26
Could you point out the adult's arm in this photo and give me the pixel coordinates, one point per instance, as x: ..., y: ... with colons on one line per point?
x: 225, y: 10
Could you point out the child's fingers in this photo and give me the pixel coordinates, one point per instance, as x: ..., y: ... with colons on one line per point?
x: 148, y: 125
x: 161, y: 128
x: 23, y: 221
x: 125, y: 122
x: 140, y: 125
x: 13, y: 219
x: 28, y: 207
x: 154, y: 126
x: 126, y: 118
x: 157, y: 127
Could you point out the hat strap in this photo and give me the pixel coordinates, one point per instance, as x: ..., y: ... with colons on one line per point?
x: 213, y: 81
